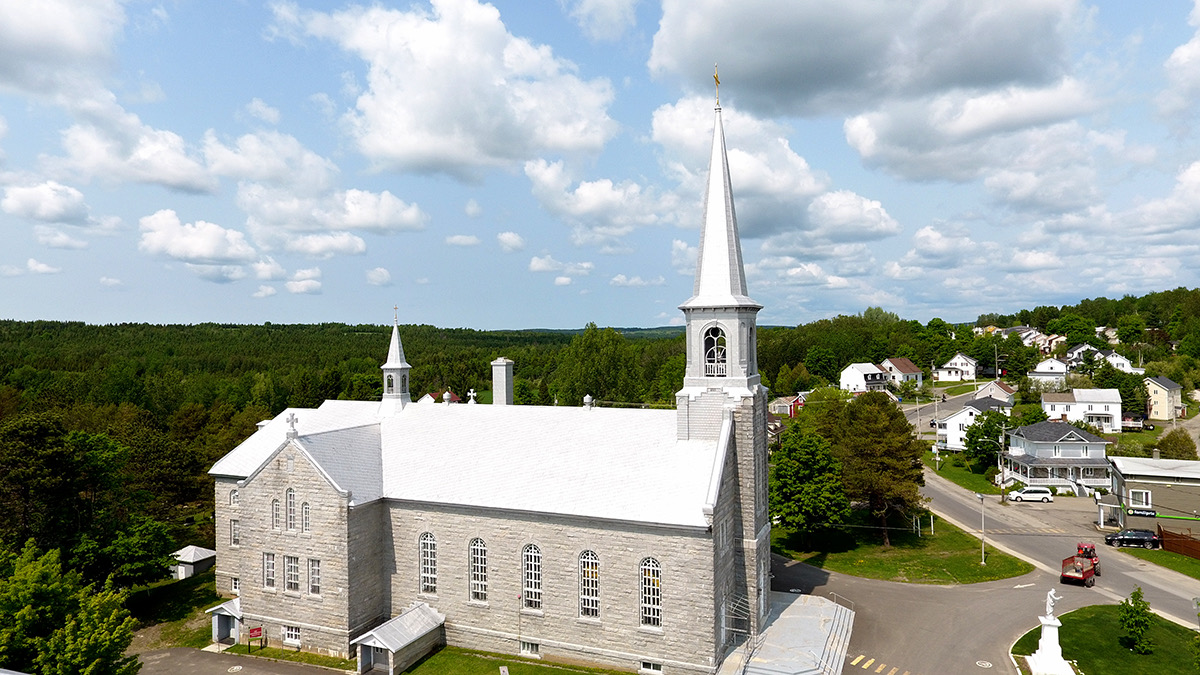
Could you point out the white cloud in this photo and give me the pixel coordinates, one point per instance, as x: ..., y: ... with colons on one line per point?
x: 562, y: 281
x: 844, y: 216
x: 259, y: 109
x: 683, y: 257
x: 271, y: 157
x: 510, y: 241
x: 36, y: 267
x: 1183, y: 73
x: 604, y: 19
x: 110, y: 282
x: 326, y: 245
x: 47, y: 48
x: 50, y: 202
x: 200, y: 243
x: 452, y: 90
x: 267, y: 269
x: 220, y: 274
x: 274, y: 212
x: 56, y: 238
x: 472, y: 209
x: 462, y: 240
x: 265, y: 291
x: 549, y: 264
x: 636, y: 282
x: 1024, y: 261
x: 305, y: 281
x: 379, y: 276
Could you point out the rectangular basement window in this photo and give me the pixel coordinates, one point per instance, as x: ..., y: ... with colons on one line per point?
x: 651, y: 667
x: 530, y: 648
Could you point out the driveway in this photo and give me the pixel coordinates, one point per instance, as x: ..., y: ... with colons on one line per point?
x: 196, y: 662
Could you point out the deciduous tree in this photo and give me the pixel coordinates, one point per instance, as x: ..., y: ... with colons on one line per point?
x: 1177, y: 444
x: 1135, y: 619
x: 985, y: 437
x: 806, y: 489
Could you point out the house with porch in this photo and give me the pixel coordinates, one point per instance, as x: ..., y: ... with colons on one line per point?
x: 1100, y: 408
x: 952, y: 429
x: 1164, y: 398
x: 857, y: 378
x: 1059, y: 455
x: 957, y: 369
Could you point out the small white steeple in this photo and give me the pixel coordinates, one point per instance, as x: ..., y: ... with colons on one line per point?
x: 395, y: 374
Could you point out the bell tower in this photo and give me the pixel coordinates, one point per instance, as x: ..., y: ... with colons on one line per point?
x: 395, y: 376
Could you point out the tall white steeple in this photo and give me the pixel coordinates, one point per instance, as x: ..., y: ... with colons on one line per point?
x: 395, y: 375
x: 720, y: 316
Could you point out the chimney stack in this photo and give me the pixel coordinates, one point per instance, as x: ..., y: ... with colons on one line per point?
x: 502, y: 381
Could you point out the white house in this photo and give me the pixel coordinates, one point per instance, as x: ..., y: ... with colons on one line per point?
x: 1074, y: 355
x: 952, y: 429
x: 859, y: 377
x: 1056, y: 454
x: 997, y: 390
x: 957, y: 369
x: 1100, y: 408
x: 1120, y: 362
x: 902, y: 370
x: 1049, y: 372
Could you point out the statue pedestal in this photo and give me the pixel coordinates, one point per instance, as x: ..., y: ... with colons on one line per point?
x: 1048, y: 659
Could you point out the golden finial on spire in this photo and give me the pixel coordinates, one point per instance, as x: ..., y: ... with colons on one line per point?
x: 396, y: 315
x: 717, y: 80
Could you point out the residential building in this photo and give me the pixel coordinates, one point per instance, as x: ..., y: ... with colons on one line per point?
x: 857, y: 378
x: 1075, y: 355
x: 1157, y: 492
x: 957, y: 369
x: 1049, y: 373
x: 629, y: 539
x: 1100, y: 408
x: 1120, y: 362
x: 1164, y: 398
x: 787, y: 406
x: 952, y: 429
x: 901, y: 370
x: 999, y: 391
x: 1057, y: 454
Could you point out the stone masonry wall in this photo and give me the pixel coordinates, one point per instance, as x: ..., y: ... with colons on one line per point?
x: 683, y: 644
x: 322, y: 618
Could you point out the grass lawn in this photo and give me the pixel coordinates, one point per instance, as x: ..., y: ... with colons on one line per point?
x: 170, y: 613
x: 455, y: 661
x: 965, y: 387
x: 1092, y: 637
x: 297, y: 656
x: 1174, y: 561
x: 1142, y: 437
x: 961, y: 475
x: 949, y: 556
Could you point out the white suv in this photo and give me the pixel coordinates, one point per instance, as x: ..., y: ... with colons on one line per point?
x: 1031, y: 494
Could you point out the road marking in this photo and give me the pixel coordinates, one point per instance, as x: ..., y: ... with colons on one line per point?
x: 868, y: 664
x: 881, y: 667
x: 893, y: 671
x: 1022, y: 585
x: 857, y: 659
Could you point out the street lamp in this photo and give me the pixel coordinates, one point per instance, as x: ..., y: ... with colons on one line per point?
x: 982, y: 533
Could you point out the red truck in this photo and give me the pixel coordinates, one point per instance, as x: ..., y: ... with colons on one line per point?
x: 1082, y: 567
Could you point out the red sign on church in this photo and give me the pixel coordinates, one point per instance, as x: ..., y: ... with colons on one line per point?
x: 256, y: 632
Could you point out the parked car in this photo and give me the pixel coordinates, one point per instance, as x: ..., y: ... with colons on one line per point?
x: 1143, y: 538
x: 1031, y: 494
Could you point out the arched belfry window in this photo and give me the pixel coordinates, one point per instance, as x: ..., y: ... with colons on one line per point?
x: 391, y: 384
x: 403, y: 383
x: 715, y: 359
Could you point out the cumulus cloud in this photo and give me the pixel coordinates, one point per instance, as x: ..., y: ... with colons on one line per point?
x: 267, y: 269
x: 462, y: 240
x: 562, y: 281
x: 1183, y: 73
x: 326, y: 245
x: 48, y: 48
x: 56, y: 238
x: 50, y: 202
x: 110, y: 282
x: 603, y: 19
x: 451, y: 90
x: 260, y: 110
x: 271, y: 157
x: 200, y: 242
x: 36, y: 267
x: 379, y: 276
x: 306, y: 281
x: 635, y: 282
x: 549, y: 264
x: 510, y: 241
x: 683, y: 257
x: 472, y: 208
x: 265, y: 292
x: 274, y: 212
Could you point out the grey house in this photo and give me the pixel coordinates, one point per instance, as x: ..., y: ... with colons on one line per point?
x: 1059, y: 455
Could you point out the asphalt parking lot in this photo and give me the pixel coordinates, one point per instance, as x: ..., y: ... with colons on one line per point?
x: 196, y: 662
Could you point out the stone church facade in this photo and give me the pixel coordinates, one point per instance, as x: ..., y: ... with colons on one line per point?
x: 630, y: 539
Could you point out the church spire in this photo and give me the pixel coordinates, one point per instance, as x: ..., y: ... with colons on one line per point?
x: 720, y: 278
x: 395, y: 374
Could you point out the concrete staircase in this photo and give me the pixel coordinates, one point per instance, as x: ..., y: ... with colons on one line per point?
x: 804, y: 635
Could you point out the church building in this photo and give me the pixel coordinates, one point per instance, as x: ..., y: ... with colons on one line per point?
x: 630, y: 539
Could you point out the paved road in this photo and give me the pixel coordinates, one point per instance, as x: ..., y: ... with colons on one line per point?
x: 1044, y: 534
x: 196, y: 662
x: 919, y: 415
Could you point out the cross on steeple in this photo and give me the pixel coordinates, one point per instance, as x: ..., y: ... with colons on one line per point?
x: 291, y: 420
x: 717, y: 80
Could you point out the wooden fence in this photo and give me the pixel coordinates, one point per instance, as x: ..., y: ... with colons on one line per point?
x: 1180, y: 542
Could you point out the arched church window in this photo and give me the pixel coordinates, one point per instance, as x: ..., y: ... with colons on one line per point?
x: 428, y: 563
x: 651, y: 593
x: 290, y: 497
x: 714, y: 352
x: 234, y: 498
x: 479, y: 571
x: 275, y: 514
x: 531, y: 557
x: 589, y: 585
x: 403, y: 383
x: 390, y: 384
x: 305, y: 518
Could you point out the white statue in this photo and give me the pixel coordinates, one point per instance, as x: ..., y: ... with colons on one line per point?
x: 1051, y: 599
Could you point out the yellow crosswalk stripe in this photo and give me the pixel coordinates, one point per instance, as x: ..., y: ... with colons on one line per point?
x: 858, y: 658
x: 893, y: 671
x: 881, y: 667
x: 868, y: 664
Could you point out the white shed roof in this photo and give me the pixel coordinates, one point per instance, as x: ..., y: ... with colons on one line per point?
x: 193, y: 554
x: 1163, y: 468
x: 397, y: 633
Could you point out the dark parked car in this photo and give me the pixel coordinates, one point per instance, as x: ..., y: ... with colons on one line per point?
x: 1143, y: 538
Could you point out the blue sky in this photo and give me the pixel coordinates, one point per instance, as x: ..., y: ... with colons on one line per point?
x: 540, y: 164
